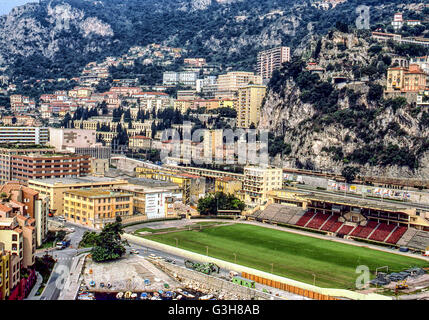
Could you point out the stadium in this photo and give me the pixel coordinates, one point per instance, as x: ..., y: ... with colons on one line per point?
x: 315, y: 239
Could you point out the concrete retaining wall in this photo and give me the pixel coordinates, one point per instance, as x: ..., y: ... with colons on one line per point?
x: 238, y: 268
x: 209, y: 283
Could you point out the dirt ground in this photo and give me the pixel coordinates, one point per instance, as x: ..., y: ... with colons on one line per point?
x: 126, y: 274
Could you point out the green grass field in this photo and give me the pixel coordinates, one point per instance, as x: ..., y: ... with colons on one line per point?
x: 294, y: 256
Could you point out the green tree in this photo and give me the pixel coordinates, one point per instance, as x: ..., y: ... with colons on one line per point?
x: 108, y: 244
x: 211, y: 203
x: 349, y: 173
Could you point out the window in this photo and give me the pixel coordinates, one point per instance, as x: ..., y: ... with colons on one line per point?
x: 14, y: 237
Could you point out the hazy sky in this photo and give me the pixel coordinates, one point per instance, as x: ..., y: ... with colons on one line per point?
x: 7, y: 5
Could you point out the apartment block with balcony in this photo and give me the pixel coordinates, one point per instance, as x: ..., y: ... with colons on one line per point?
x: 9, y: 152
x: 31, y: 206
x: 270, y: 60
x: 249, y: 105
x: 229, y: 83
x: 259, y: 181
x: 24, y: 135
x: 49, y: 165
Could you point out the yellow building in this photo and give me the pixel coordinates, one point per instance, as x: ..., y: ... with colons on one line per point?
x: 395, y: 78
x: 228, y: 103
x: 4, y: 272
x: 411, y: 79
x: 96, y: 208
x: 84, y: 92
x: 249, y: 105
x: 259, y: 181
x: 54, y: 188
x: 228, y: 185
x: 183, y: 105
x: 228, y: 84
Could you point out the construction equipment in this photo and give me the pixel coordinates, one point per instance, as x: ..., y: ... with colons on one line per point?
x: 206, y: 268
x: 402, y: 285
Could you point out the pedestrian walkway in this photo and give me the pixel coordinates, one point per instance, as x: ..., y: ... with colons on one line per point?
x: 72, y: 284
x: 32, y: 295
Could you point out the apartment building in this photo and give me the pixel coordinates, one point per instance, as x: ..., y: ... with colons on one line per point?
x: 8, y: 154
x: 49, y: 165
x: 54, y: 188
x: 171, y: 78
x: 4, y: 272
x: 96, y: 208
x: 258, y: 181
x: 24, y: 135
x: 249, y: 105
x: 183, y: 105
x: 411, y: 79
x: 228, y: 84
x: 270, y: 60
x: 149, y: 101
x: 140, y: 142
x: 228, y: 185
x: 32, y: 206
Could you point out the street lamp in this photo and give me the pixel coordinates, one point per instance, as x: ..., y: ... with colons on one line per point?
x: 314, y: 279
x: 177, y: 242
x: 207, y: 247
x: 235, y: 258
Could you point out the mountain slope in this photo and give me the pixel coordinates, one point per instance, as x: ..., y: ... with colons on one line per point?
x: 331, y: 126
x: 57, y: 38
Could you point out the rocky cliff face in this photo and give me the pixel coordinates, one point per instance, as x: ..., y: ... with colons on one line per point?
x: 58, y: 35
x: 353, y: 125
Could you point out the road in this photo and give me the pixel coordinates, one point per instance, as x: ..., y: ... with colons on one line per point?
x: 64, y: 259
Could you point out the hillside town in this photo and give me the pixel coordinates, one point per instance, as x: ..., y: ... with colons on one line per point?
x: 112, y: 147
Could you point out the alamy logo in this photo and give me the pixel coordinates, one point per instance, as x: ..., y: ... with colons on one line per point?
x: 203, y: 146
x: 362, y: 21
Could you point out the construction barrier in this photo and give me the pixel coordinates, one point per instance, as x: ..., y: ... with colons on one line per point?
x: 289, y: 288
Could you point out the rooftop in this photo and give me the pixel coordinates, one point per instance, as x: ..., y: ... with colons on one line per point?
x: 96, y: 193
x: 80, y: 180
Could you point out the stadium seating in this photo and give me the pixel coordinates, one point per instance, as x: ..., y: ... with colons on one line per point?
x: 317, y: 221
x: 356, y: 231
x: 335, y: 226
x: 396, y: 235
x: 420, y: 240
x: 305, y: 218
x: 366, y: 231
x: 382, y: 232
x: 345, y: 230
x: 329, y: 223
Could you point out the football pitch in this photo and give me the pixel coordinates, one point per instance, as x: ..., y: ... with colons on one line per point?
x: 331, y: 264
